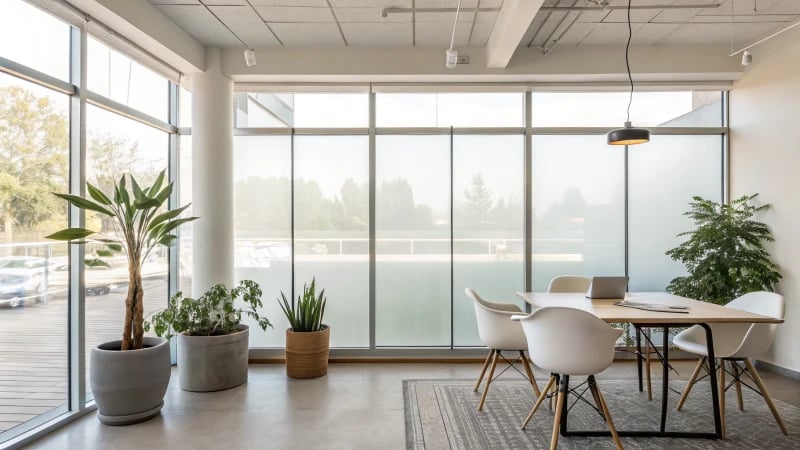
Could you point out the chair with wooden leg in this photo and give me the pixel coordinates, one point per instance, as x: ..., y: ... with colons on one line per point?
x: 734, y: 344
x: 567, y: 342
x: 499, y: 334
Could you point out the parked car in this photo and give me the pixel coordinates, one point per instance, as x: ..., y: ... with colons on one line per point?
x: 22, y: 278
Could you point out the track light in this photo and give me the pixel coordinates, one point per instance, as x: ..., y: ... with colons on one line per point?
x: 451, y: 58
x: 747, y: 57
x: 250, y: 57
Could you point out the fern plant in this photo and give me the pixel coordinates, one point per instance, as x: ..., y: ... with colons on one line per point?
x: 724, y: 254
x: 305, y: 315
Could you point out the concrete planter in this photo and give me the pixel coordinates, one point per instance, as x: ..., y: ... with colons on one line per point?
x: 307, y: 353
x: 213, y: 363
x: 129, y: 386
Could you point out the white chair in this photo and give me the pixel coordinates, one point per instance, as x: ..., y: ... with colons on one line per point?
x: 568, y: 341
x: 734, y: 342
x: 569, y: 283
x: 499, y: 334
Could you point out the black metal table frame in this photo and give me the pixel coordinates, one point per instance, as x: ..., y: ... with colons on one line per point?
x: 662, y: 432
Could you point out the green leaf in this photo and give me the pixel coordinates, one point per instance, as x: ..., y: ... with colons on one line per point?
x: 138, y: 193
x: 114, y: 246
x: 146, y: 203
x: 84, y: 203
x: 169, y: 226
x: 169, y: 215
x: 104, y: 253
x: 69, y: 234
x: 97, y: 262
x: 98, y: 195
x: 157, y: 184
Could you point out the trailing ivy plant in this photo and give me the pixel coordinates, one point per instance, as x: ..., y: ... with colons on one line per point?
x: 212, y: 314
x: 724, y: 254
x: 305, y: 315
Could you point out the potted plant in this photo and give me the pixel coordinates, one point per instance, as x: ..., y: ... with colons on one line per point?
x: 129, y: 377
x: 307, y: 338
x: 213, y: 344
x: 725, y: 254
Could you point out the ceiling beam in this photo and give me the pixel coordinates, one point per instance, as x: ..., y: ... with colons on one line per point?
x: 512, y: 22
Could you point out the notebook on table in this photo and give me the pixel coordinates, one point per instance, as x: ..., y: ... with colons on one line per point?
x: 654, y: 307
x: 607, y: 287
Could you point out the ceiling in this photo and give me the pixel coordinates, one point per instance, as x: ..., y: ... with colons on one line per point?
x: 359, y: 23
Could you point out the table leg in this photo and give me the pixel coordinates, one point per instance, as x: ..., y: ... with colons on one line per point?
x: 712, y: 376
x: 665, y: 379
x: 639, y: 355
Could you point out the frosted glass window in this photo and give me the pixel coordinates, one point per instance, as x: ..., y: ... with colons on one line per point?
x: 664, y: 176
x: 488, y: 225
x: 450, y: 109
x: 262, y: 226
x: 331, y: 192
x: 412, y: 214
x: 578, y: 208
x: 607, y: 109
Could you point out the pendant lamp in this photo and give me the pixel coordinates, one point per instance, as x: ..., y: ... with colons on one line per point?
x: 628, y: 135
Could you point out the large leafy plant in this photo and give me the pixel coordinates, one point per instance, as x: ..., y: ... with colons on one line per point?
x: 305, y: 315
x: 212, y: 314
x: 724, y: 254
x: 139, y: 225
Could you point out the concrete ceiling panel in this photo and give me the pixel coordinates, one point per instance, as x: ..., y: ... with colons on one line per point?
x: 313, y: 34
x: 396, y: 34
x: 197, y: 21
x: 295, y: 14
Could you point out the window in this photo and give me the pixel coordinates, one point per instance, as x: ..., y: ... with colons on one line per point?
x: 664, y: 176
x: 331, y: 217
x: 34, y: 161
x: 339, y: 110
x: 488, y: 225
x: 115, y: 146
x: 123, y: 80
x: 412, y: 241
x: 34, y: 38
x: 607, y: 109
x: 262, y: 222
x: 578, y: 207
x: 450, y: 109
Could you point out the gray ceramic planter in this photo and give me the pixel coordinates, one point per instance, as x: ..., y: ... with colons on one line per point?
x: 129, y: 386
x: 213, y: 363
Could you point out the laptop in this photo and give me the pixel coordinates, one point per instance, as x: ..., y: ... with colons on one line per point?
x: 607, y: 287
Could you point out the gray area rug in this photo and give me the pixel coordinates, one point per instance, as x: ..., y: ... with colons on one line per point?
x: 441, y: 414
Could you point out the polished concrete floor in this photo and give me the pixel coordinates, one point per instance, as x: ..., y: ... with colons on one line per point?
x: 356, y: 406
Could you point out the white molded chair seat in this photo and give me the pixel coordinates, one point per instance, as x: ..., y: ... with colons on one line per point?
x: 498, y: 333
x: 733, y: 343
x: 568, y: 341
x: 569, y: 283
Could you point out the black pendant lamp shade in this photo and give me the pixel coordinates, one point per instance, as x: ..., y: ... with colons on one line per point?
x: 628, y: 135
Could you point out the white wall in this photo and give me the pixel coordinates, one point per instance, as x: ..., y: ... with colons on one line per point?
x: 765, y: 158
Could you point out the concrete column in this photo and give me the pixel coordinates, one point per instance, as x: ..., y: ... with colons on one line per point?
x: 212, y: 175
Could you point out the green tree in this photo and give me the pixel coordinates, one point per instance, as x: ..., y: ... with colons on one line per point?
x: 109, y: 158
x: 397, y: 210
x: 475, y: 212
x: 724, y: 254
x: 354, y: 205
x: 33, y: 158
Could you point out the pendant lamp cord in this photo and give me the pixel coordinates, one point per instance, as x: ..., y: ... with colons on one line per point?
x: 455, y: 22
x: 627, y: 61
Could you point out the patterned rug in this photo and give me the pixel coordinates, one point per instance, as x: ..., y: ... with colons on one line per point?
x: 441, y: 414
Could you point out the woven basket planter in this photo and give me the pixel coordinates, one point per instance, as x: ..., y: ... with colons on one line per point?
x: 307, y: 353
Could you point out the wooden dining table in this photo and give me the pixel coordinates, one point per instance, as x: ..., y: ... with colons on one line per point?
x: 686, y: 312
